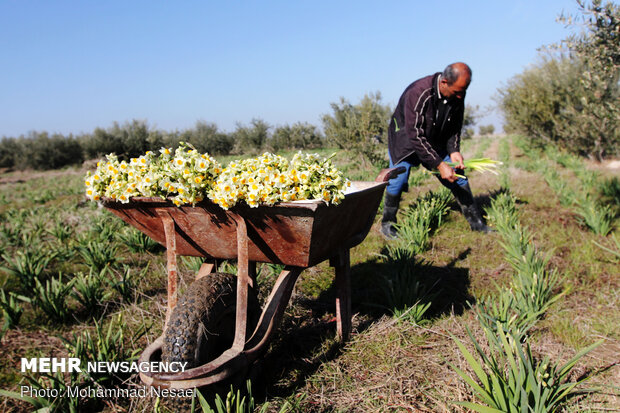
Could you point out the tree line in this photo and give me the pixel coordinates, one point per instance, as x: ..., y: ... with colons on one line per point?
x: 42, y: 150
x: 360, y: 128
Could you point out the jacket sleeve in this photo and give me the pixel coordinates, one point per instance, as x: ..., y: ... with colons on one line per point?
x: 416, y: 105
x: 454, y: 142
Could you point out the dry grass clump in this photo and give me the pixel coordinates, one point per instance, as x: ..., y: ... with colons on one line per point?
x: 393, y: 366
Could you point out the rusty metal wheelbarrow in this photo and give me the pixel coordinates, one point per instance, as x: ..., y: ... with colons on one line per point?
x: 296, y: 234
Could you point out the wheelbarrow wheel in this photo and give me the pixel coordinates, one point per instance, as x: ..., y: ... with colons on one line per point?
x: 202, y: 324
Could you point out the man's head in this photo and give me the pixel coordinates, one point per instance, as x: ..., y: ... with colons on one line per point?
x: 455, y: 80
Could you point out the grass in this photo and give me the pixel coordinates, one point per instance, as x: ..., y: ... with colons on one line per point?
x: 392, y: 363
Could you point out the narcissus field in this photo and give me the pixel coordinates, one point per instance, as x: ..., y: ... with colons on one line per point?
x: 445, y: 319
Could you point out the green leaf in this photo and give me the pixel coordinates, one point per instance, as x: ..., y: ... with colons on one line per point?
x: 41, y: 404
x: 473, y: 363
x: 499, y: 393
x: 203, y: 403
x: 479, y: 408
x: 565, y: 369
x: 482, y: 393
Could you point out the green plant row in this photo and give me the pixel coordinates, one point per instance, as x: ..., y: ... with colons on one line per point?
x: 89, y: 290
x: 531, y: 291
x: 597, y: 216
x: 508, y: 378
x: 504, y: 158
x: 484, y: 144
x: 419, y: 221
x: 404, y: 292
x: 406, y: 296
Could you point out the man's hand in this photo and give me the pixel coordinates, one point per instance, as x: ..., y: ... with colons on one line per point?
x: 457, y: 158
x: 447, y: 172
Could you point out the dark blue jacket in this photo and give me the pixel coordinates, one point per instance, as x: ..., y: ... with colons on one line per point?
x: 415, y: 127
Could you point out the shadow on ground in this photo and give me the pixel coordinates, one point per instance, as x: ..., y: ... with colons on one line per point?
x: 306, y: 337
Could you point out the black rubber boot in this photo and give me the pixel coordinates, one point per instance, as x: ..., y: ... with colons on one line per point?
x: 390, y: 208
x: 470, y: 209
x: 476, y: 220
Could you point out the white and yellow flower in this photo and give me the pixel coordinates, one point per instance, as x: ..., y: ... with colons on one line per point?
x: 188, y: 177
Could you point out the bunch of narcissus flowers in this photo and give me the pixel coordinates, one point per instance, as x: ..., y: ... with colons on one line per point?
x: 269, y: 179
x: 188, y: 177
x: 185, y: 176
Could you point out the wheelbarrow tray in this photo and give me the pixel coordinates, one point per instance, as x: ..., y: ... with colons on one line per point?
x: 300, y: 234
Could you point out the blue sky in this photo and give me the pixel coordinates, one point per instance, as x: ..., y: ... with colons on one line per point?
x: 71, y: 66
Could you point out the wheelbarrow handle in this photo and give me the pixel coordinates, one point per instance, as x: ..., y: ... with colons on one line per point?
x: 389, y: 173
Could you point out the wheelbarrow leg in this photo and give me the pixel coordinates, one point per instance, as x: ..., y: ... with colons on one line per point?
x: 273, y: 310
x: 245, y: 270
x: 342, y: 265
x: 171, y: 257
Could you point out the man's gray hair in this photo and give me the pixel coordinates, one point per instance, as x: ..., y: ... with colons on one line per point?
x: 452, y: 72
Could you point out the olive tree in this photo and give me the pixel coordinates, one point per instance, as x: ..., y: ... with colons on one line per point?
x: 572, y: 96
x: 206, y: 137
x: 129, y: 140
x: 470, y: 117
x: 297, y: 136
x: 486, y: 129
x: 361, y: 127
x: 9, y: 150
x: 596, y: 48
x: 251, y: 138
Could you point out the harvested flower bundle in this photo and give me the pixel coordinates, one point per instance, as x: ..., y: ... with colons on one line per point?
x: 477, y: 164
x: 188, y: 177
